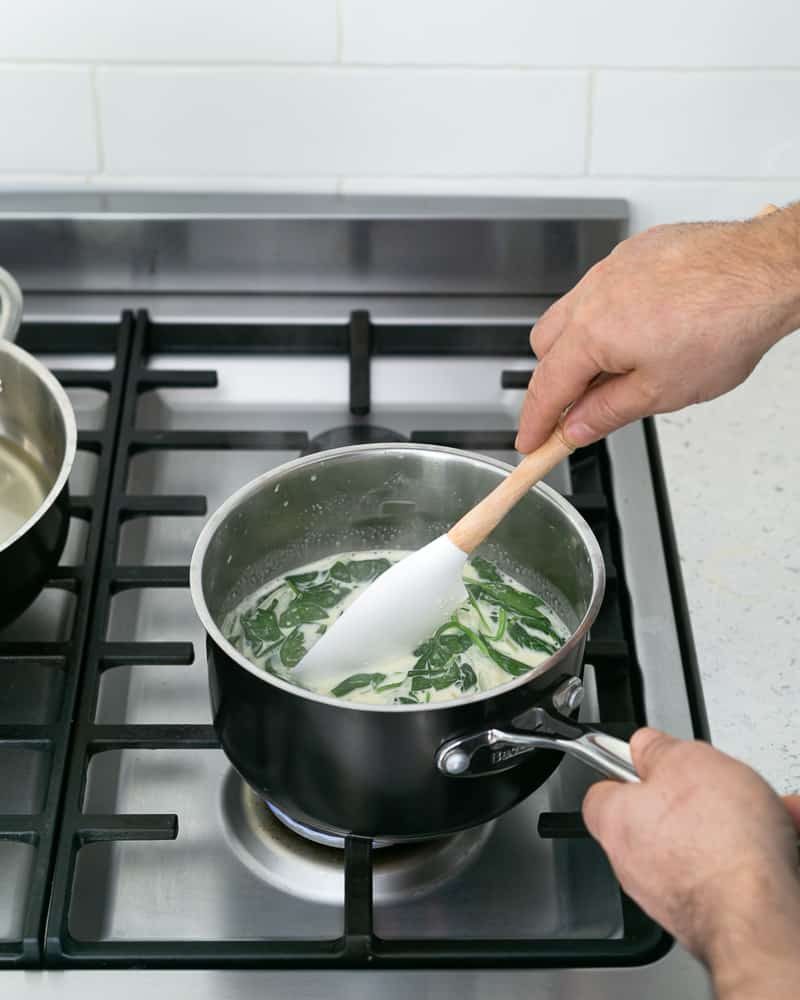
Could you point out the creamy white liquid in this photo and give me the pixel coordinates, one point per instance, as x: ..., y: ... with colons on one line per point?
x: 21, y: 488
x: 485, y: 620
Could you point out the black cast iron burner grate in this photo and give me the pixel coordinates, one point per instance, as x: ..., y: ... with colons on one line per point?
x: 609, y: 649
x: 48, y: 673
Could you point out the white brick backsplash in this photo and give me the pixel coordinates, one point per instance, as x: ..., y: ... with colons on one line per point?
x: 337, y: 121
x: 695, y: 124
x: 46, y: 120
x: 687, y: 108
x: 177, y: 30
x: 703, y: 33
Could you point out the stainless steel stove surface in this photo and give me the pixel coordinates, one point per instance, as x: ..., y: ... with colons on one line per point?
x: 126, y: 839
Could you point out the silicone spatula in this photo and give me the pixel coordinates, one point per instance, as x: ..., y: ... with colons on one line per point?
x: 408, y: 602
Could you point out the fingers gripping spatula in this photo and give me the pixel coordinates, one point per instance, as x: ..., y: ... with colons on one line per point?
x: 408, y: 602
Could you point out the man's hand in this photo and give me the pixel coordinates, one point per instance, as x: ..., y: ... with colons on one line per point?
x: 676, y: 315
x: 706, y: 847
x: 792, y: 803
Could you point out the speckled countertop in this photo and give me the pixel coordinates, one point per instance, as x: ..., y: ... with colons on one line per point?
x: 733, y: 467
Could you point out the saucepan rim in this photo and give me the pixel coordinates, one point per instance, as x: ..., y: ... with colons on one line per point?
x: 318, y: 459
x: 55, y: 389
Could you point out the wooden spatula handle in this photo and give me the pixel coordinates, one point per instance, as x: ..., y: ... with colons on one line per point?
x: 476, y: 524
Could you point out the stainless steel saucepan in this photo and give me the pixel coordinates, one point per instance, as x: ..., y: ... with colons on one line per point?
x: 397, y: 771
x: 38, y: 439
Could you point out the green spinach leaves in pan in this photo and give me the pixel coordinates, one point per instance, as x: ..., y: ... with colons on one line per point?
x: 518, y: 618
x: 500, y: 624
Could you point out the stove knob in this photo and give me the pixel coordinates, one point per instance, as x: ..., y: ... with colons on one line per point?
x: 568, y: 696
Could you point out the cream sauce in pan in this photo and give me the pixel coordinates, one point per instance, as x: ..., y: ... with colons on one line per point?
x: 502, y: 631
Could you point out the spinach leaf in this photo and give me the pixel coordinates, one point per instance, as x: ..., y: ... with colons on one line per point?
x: 359, y: 570
x: 542, y: 624
x: 508, y: 663
x: 459, y: 674
x: 260, y: 627
x: 293, y: 649
x: 339, y: 571
x: 302, y: 611
x: 302, y: 581
x: 511, y: 666
x: 477, y: 609
x: 522, y: 637
x: 392, y: 686
x: 326, y: 594
x: 435, y: 653
x: 423, y: 680
x: 356, y: 681
x: 485, y: 569
x: 310, y: 604
x: 436, y: 668
x: 504, y: 596
x: 466, y: 677
x: 406, y: 700
x: 501, y: 627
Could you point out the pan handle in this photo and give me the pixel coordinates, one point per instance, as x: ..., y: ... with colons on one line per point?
x: 494, y: 750
x: 10, y: 306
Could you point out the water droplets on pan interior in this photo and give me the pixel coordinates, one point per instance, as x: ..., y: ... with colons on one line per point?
x: 503, y: 630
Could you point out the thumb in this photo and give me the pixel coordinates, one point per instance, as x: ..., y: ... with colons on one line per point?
x: 600, y: 807
x: 792, y: 803
x: 606, y: 407
x: 647, y: 748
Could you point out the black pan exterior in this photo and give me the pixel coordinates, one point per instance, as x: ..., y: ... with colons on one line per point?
x: 28, y: 563
x: 370, y: 773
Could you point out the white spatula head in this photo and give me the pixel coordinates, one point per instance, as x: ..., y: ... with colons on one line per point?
x: 401, y: 609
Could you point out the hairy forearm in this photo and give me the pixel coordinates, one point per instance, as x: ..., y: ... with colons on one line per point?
x: 755, y: 266
x: 777, y: 980
x: 758, y: 958
x: 774, y: 248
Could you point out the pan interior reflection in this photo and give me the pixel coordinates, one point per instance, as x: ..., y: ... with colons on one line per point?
x: 22, y: 487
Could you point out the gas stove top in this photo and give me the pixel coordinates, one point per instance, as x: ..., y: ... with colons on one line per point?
x: 126, y: 839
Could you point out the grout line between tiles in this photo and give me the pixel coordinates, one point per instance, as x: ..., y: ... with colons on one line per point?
x: 339, y: 29
x: 340, y: 64
x: 587, y: 164
x: 508, y: 185
x: 226, y: 183
x: 98, y: 121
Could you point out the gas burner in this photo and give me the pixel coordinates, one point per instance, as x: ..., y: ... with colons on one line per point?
x: 314, y: 835
x: 349, y: 434
x: 291, y: 857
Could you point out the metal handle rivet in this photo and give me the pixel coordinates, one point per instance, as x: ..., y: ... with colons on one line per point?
x: 456, y: 762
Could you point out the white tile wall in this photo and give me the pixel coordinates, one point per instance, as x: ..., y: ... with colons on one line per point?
x: 46, y: 120
x: 641, y: 33
x: 688, y: 108
x: 696, y: 124
x: 335, y: 120
x: 169, y: 30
